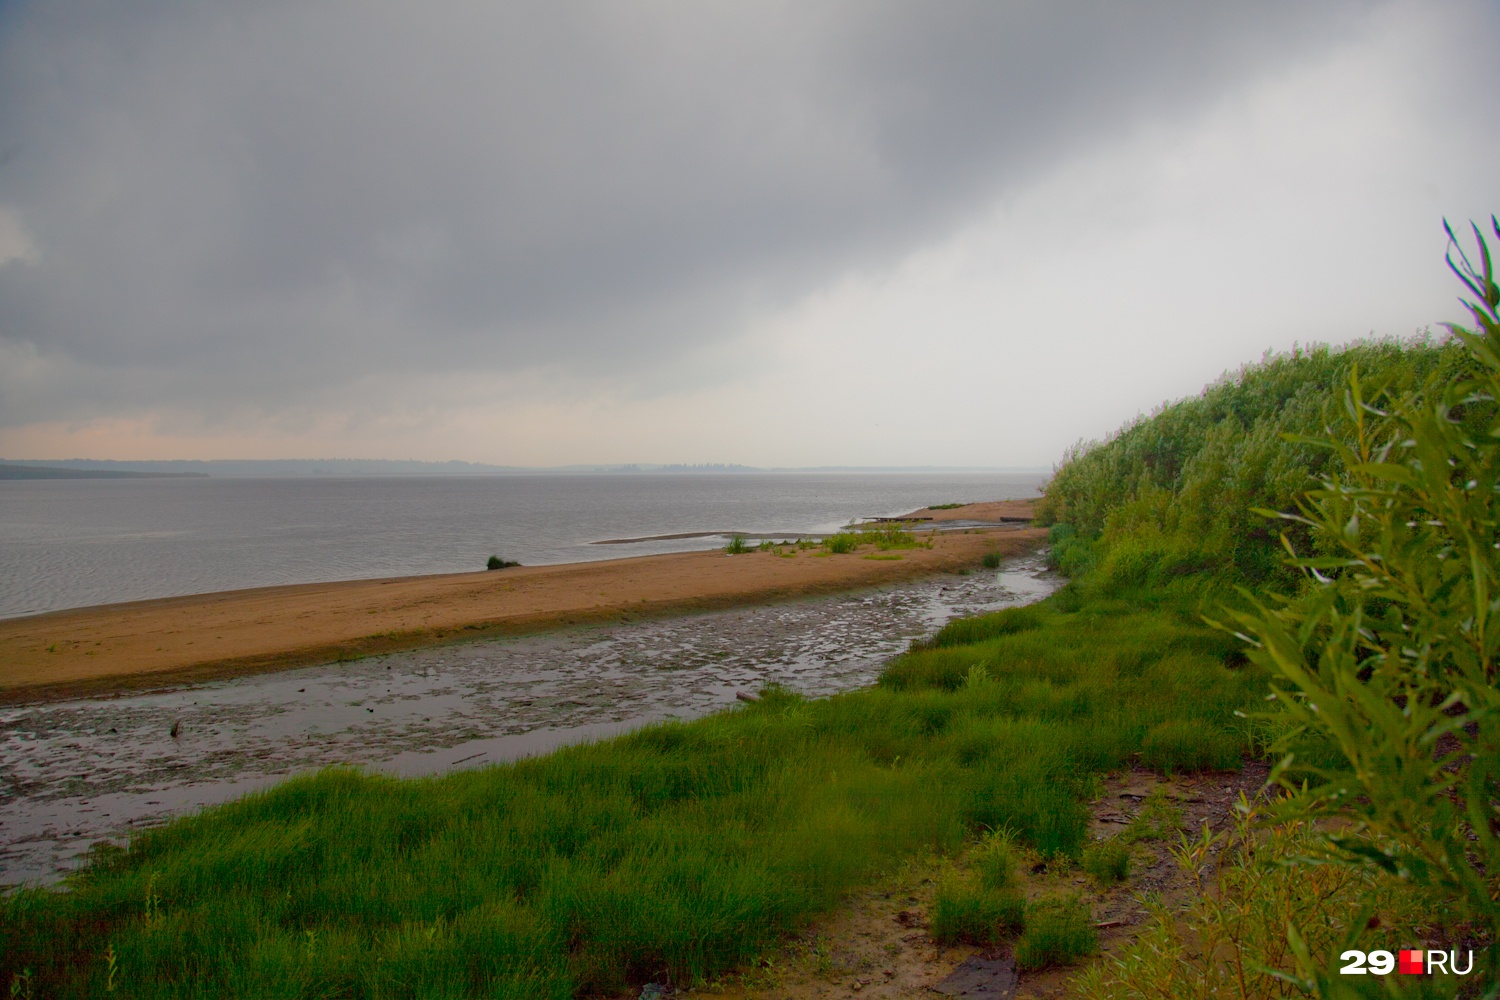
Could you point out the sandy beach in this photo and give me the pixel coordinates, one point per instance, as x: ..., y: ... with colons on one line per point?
x: 146, y: 644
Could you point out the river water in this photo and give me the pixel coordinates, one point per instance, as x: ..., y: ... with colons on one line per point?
x: 75, y: 772
x: 75, y: 543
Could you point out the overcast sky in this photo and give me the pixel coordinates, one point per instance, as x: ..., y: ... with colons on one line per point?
x: 826, y: 233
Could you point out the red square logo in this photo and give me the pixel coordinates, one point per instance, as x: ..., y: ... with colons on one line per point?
x: 1409, y: 962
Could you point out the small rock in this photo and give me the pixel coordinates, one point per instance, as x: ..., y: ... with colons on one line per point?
x: 980, y: 976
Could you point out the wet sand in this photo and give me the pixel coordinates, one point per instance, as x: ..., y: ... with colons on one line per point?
x: 73, y: 772
x: 157, y: 643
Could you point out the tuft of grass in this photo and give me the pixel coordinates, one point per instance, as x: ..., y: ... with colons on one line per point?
x: 994, y: 863
x: 963, y: 911
x: 945, y: 506
x: 1106, y: 860
x: 891, y: 536
x: 890, y: 557
x: 1059, y: 931
x: 495, y: 562
x: 842, y: 542
x: 992, y: 560
x: 1158, y: 818
x: 968, y: 631
x: 1190, y: 745
x: 738, y: 546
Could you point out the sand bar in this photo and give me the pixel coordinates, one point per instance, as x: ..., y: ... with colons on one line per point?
x: 121, y: 647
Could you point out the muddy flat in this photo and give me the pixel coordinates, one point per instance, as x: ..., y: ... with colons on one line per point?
x: 73, y: 772
x: 182, y: 639
x: 991, y: 510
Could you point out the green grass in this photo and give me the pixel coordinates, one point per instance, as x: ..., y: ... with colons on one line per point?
x: 1159, y: 818
x: 843, y: 542
x: 992, y: 560
x: 1106, y: 860
x: 1190, y: 745
x: 945, y: 506
x: 682, y: 849
x: 495, y: 562
x: 994, y: 863
x: 893, y: 536
x: 738, y: 546
x: 1058, y: 932
x: 965, y: 911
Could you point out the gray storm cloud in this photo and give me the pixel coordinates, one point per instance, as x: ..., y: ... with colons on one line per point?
x: 253, y: 202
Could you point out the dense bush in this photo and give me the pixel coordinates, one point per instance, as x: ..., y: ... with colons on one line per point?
x: 1175, y: 493
x: 1391, y: 651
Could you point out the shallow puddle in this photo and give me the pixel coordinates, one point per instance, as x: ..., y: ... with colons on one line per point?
x: 75, y: 772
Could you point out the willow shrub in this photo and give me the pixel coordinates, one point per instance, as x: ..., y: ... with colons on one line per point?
x: 1389, y: 654
x: 1173, y: 495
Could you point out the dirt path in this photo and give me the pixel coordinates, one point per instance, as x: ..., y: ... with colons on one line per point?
x: 182, y: 639
x: 878, y: 946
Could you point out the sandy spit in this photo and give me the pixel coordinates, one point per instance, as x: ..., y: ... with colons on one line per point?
x: 147, y: 644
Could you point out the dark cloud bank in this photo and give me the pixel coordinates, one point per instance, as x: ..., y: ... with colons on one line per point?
x: 250, y: 203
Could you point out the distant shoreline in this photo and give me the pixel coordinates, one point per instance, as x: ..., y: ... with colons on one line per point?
x: 176, y: 640
x: 58, y: 472
x: 341, y: 468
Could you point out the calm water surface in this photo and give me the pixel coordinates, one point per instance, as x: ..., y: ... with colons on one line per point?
x: 74, y: 543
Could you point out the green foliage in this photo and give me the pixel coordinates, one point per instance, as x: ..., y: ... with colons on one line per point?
x: 842, y: 542
x: 963, y: 910
x: 1106, y: 860
x: 1180, y: 746
x: 1172, y: 495
x: 945, y: 506
x: 1389, y: 652
x: 994, y: 863
x: 992, y: 560
x: 1229, y: 938
x: 967, y: 631
x: 495, y: 562
x: 892, y: 537
x: 1159, y: 818
x: 738, y: 546
x: 1059, y: 931
x: 685, y: 849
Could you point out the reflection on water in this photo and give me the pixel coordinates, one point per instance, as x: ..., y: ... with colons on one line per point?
x: 75, y: 772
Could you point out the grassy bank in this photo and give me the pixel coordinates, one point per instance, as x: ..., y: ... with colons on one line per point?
x: 681, y: 851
